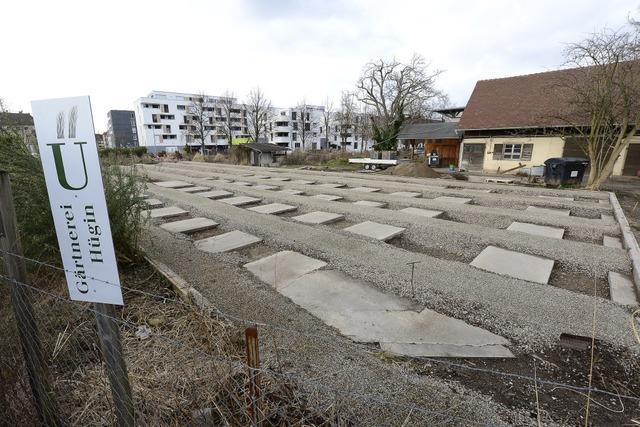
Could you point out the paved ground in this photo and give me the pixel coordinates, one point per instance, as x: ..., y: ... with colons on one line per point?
x: 530, y: 315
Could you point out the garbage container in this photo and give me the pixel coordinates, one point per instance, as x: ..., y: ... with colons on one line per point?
x: 564, y: 170
x: 433, y: 160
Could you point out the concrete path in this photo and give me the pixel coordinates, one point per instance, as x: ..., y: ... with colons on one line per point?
x: 191, y: 225
x: 366, y: 314
x: 375, y: 230
x: 622, y: 289
x: 612, y: 242
x: 173, y: 184
x: 422, y: 212
x: 216, y: 194
x: 318, y: 217
x: 537, y: 230
x: 195, y: 189
x: 561, y: 212
x: 328, y: 197
x: 241, y: 200
x: 514, y: 264
x: 168, y: 212
x: 449, y: 199
x: 370, y: 203
x: 153, y: 203
x: 230, y: 241
x: 273, y: 208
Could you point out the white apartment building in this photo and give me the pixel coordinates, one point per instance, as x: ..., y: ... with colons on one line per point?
x: 163, y: 122
x: 298, y: 128
x: 351, y: 137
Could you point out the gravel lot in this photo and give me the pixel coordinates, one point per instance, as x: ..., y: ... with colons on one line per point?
x: 532, y: 316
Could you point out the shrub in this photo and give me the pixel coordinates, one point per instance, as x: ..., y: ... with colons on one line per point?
x: 123, y: 192
x: 460, y: 176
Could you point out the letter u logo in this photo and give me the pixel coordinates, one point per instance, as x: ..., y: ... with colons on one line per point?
x: 60, y: 171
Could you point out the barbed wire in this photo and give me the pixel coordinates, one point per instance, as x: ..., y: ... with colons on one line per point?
x: 380, y: 399
x: 228, y: 316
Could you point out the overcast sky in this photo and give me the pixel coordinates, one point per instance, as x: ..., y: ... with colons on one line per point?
x: 117, y: 51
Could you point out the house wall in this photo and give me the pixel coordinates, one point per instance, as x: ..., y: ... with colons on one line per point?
x: 543, y: 149
x: 619, y: 165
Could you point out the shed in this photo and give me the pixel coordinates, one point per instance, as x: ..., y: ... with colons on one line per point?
x: 263, y: 154
x: 440, y: 137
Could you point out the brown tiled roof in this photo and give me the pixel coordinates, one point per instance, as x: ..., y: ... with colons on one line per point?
x: 533, y: 100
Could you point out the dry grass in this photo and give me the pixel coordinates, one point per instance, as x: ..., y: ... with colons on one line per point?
x: 190, y: 369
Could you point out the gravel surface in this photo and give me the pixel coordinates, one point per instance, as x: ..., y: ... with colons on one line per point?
x: 374, y: 389
x: 577, y: 228
x: 435, y: 237
x: 529, y: 314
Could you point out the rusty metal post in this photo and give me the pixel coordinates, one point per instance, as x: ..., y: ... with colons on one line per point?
x: 413, y: 266
x: 253, y: 365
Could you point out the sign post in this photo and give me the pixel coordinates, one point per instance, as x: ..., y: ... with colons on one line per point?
x: 69, y: 155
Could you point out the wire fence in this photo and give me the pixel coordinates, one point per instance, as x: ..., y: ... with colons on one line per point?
x: 192, y: 366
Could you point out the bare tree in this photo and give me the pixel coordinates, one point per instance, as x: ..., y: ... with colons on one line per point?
x: 363, y: 126
x: 225, y: 106
x: 395, y: 91
x: 199, y: 119
x: 258, y: 113
x: 305, y: 124
x: 603, y: 95
x: 327, y: 122
x: 345, y: 118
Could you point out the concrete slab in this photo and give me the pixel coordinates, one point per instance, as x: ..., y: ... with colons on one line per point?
x: 604, y: 202
x: 434, y: 187
x: 608, y: 218
x: 153, y: 203
x: 612, y: 242
x: 328, y: 197
x: 365, y: 189
x: 514, y: 264
x: 241, y: 200
x: 168, y: 212
x: 279, y: 269
x: 302, y: 182
x: 376, y: 230
x: 332, y: 185
x: 173, y: 184
x: 447, y: 350
x: 190, y: 225
x: 195, y: 189
x: 216, y: 194
x: 370, y: 203
x: 224, y: 180
x: 273, y: 208
x: 500, y: 180
x: 281, y: 178
x: 477, y: 190
x: 242, y: 183
x: 537, y: 230
x: 422, y: 212
x: 226, y: 242
x: 549, y: 211
x: 318, y: 217
x: 564, y: 199
x: 262, y: 177
x: 265, y: 187
x: 621, y: 289
x: 450, y: 199
x: 246, y: 174
x: 292, y: 192
x: 406, y: 194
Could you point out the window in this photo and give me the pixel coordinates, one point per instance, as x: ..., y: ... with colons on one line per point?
x: 355, y: 145
x: 512, y: 151
x: 182, y: 107
x: 307, y: 126
x: 294, y: 114
x: 294, y: 136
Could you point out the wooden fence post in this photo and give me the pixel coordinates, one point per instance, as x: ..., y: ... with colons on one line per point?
x: 253, y: 364
x: 27, y: 325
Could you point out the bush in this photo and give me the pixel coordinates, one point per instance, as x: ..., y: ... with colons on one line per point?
x: 460, y: 176
x: 123, y: 192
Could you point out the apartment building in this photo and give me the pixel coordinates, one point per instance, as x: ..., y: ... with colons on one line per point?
x: 298, y: 128
x: 352, y: 135
x: 165, y: 121
x: 121, y: 129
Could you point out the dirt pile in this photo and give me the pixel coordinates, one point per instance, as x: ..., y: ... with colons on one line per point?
x: 413, y: 169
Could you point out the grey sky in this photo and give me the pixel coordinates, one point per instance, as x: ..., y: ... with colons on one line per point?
x: 116, y: 51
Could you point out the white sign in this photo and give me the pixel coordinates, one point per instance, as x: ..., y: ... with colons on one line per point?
x: 574, y: 174
x: 69, y: 155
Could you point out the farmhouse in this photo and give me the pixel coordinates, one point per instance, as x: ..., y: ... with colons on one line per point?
x: 517, y: 122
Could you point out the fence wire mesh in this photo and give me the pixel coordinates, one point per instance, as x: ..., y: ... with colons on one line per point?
x: 188, y: 366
